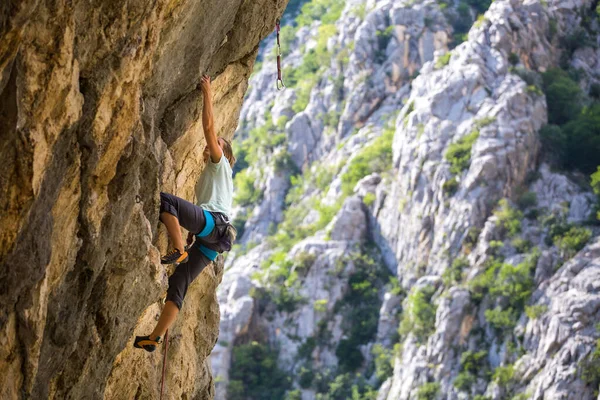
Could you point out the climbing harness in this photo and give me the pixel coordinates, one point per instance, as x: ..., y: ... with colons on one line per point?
x: 164, y: 368
x: 280, y: 84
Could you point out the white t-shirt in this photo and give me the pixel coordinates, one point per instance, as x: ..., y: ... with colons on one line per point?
x: 214, y: 190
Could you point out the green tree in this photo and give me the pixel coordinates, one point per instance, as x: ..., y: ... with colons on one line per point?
x: 419, y: 315
x: 583, y: 133
x: 563, y: 96
x: 255, y: 375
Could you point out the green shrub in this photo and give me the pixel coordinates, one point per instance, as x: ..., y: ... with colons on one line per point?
x: 480, y: 6
x: 579, y: 38
x: 340, y: 388
x: 304, y: 260
x: 533, y: 89
x: 481, y: 19
x: 509, y: 219
x: 526, y: 200
x: 589, y: 368
x: 531, y: 78
x: 454, y: 274
x: 287, y: 299
x: 360, y: 10
x: 472, y: 365
x: 516, y: 282
x: 286, y: 37
x: 460, y: 20
x: 326, y: 213
x: 464, y: 381
x: 536, y: 311
x: 305, y: 377
x: 471, y: 238
x: 349, y: 355
x: 521, y: 245
x: 443, y: 60
x: 503, y: 376
x: 563, y: 96
x: 496, y: 246
x: 320, y: 305
x: 294, y: 395
x: 474, y: 362
x: 479, y: 286
x: 235, y: 390
x: 360, y: 308
x: 512, y: 283
x: 450, y: 186
x: 239, y: 222
x: 502, y: 320
x: 369, y: 199
x: 245, y: 192
x: 383, y: 39
x: 254, y: 373
x: 419, y: 314
x: 554, y: 142
x: 583, y: 140
x: 395, y: 288
x: 428, y: 391
x: 459, y: 153
x: 303, y: 95
x: 595, y: 91
x: 326, y: 11
x: 383, y: 359
x: 305, y: 349
x: 595, y: 182
x: 573, y: 240
x: 281, y: 121
x: 376, y: 157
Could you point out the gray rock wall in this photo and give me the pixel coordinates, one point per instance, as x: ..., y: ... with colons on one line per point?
x: 422, y: 215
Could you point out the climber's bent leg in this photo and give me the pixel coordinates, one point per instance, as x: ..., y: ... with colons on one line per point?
x: 179, y: 282
x: 174, y: 213
x: 167, y: 317
x: 179, y: 255
x: 185, y: 274
x: 190, y: 216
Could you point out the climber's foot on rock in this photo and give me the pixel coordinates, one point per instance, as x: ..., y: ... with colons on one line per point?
x: 144, y: 342
x: 175, y: 257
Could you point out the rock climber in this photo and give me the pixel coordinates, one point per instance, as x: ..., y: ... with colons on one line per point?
x: 207, y: 222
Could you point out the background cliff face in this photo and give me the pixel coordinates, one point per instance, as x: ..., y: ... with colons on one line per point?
x: 98, y: 114
x: 417, y: 215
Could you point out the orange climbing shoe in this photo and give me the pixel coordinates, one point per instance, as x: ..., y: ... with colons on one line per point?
x: 175, y: 257
x: 144, y: 342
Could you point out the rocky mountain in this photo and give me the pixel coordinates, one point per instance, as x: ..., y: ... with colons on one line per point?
x: 98, y: 114
x: 416, y: 213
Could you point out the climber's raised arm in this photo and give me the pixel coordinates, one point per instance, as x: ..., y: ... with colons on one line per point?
x: 208, y: 122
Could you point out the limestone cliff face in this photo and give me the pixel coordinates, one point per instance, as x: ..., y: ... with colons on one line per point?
x: 98, y: 114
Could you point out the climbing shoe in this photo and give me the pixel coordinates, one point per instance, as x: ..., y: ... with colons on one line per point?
x: 174, y: 257
x: 144, y: 342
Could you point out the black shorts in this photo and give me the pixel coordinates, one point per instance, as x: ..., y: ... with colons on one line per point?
x: 192, y: 218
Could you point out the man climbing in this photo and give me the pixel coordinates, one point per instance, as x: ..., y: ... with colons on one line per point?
x: 208, y: 222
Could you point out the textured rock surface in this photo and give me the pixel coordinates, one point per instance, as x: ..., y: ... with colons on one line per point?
x: 99, y: 113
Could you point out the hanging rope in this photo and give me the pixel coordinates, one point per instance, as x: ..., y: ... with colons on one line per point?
x: 164, y: 368
x: 280, y: 84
